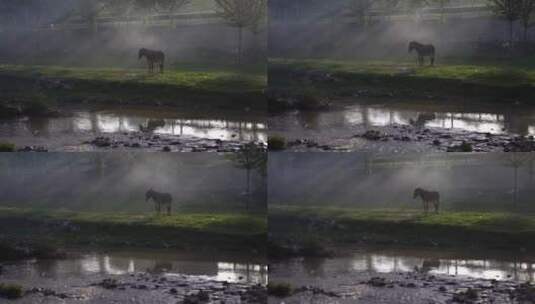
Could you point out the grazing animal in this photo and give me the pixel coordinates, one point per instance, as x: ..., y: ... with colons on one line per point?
x: 160, y: 200
x: 428, y: 197
x: 423, y: 50
x: 153, y: 57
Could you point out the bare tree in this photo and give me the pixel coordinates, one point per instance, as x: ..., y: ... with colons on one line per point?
x: 442, y: 4
x: 510, y: 10
x: 390, y: 7
x: 360, y: 9
x: 526, y: 14
x: 89, y: 11
x: 242, y: 14
x: 169, y: 6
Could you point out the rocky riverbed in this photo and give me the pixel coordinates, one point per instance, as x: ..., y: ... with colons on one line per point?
x: 410, y: 288
x: 142, y: 288
x: 399, y: 138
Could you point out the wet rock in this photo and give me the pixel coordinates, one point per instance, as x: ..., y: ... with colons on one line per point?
x: 467, y: 296
x: 520, y: 144
x: 101, y: 142
x: 377, y: 282
x: 198, y: 298
x: 108, y: 284
x: 524, y: 293
x: 33, y: 149
x: 255, y: 294
x: 462, y: 147
x: 373, y: 135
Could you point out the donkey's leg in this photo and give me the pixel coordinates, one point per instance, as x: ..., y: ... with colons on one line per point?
x: 169, y: 209
x: 432, y: 60
x: 437, y: 205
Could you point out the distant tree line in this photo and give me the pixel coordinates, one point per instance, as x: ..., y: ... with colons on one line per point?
x: 241, y: 14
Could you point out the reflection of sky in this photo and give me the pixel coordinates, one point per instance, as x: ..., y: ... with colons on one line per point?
x: 112, y: 123
x: 232, y: 272
x: 485, y: 269
x: 474, y: 122
x: 202, y: 128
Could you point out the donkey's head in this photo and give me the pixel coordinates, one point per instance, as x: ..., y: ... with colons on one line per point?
x: 149, y: 194
x: 417, y: 192
x: 141, y: 53
x: 413, y: 45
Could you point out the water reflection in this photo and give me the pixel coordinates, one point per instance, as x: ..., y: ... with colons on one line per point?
x: 520, y: 122
x: 107, y: 264
x: 124, y: 121
x: 394, y: 263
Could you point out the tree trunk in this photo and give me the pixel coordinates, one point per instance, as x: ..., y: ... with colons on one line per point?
x: 515, y: 188
x: 511, y: 32
x: 248, y: 189
x: 240, y: 40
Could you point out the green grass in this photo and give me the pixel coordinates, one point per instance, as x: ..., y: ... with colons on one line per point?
x: 496, y: 74
x: 11, y: 291
x: 219, y: 79
x: 485, y: 229
x: 185, y: 230
x: 7, y: 147
x: 480, y: 221
x: 238, y: 224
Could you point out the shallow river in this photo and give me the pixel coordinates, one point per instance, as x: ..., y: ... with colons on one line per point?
x: 76, y: 126
x: 141, y: 275
x: 338, y: 126
x: 436, y: 275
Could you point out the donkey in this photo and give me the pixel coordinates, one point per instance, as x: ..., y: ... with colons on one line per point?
x: 428, y: 197
x: 153, y: 57
x: 423, y: 50
x: 160, y: 200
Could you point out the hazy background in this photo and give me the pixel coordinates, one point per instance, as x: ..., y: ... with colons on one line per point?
x: 483, y: 182
x: 328, y: 29
x: 118, y: 181
x: 66, y: 32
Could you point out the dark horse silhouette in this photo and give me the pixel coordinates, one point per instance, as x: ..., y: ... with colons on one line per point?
x: 160, y: 200
x: 423, y: 50
x: 428, y: 197
x: 153, y: 57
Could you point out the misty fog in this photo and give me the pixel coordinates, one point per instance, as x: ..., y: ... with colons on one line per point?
x: 482, y: 182
x: 328, y: 29
x: 64, y: 32
x: 118, y: 181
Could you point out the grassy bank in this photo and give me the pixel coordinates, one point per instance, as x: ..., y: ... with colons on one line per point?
x: 197, y: 231
x: 492, y: 81
x: 223, y: 86
x: 483, y: 230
